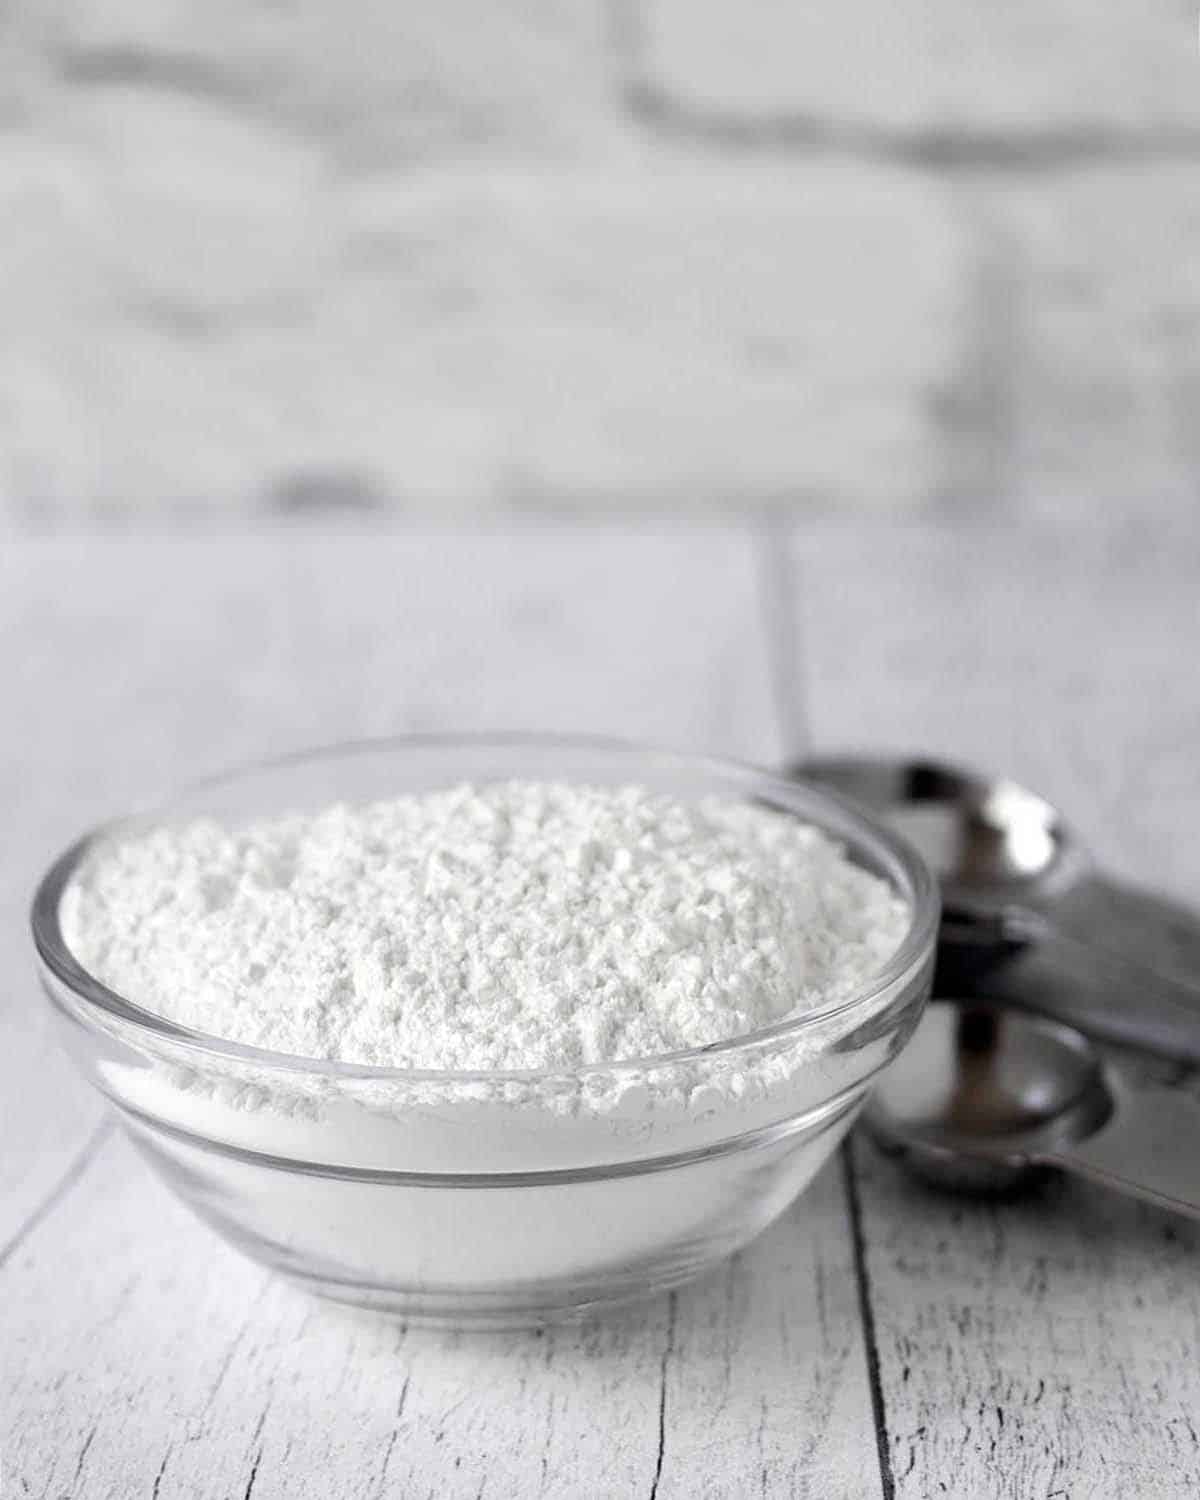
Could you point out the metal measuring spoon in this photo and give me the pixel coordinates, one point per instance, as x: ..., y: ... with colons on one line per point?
x: 984, y: 1096
x: 1007, y: 860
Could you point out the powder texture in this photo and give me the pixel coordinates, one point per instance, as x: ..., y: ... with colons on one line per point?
x: 506, y: 925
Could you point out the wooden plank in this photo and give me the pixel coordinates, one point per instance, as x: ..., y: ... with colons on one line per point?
x: 764, y: 1389
x: 142, y: 1357
x: 1059, y: 656
x: 1042, y: 1346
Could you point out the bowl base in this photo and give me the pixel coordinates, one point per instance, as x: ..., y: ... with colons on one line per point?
x: 501, y: 1309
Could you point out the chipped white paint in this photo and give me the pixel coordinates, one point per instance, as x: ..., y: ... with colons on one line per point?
x: 1032, y: 1348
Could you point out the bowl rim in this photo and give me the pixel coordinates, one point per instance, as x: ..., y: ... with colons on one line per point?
x: 827, y: 810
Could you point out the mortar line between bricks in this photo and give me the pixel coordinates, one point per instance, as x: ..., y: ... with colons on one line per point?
x: 70, y: 1178
x: 939, y: 149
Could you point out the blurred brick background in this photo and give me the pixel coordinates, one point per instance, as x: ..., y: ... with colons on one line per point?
x: 557, y: 254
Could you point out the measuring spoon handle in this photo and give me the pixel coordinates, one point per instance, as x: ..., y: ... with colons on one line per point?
x: 1149, y: 1148
x: 1123, y: 999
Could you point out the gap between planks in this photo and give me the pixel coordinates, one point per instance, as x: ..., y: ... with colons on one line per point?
x: 60, y: 1191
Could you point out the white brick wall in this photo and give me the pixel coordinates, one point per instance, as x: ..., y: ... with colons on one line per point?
x: 577, y: 253
x: 1104, y: 381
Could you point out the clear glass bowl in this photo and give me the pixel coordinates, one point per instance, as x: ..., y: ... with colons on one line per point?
x: 492, y: 1198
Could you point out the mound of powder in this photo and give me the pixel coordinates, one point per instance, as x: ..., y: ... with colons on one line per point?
x: 505, y: 925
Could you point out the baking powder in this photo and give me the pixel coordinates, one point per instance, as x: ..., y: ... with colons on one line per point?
x: 511, y: 925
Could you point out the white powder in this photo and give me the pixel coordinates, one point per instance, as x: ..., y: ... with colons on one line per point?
x: 510, y: 925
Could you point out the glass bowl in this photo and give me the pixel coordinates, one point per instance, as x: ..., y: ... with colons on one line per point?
x: 492, y: 1198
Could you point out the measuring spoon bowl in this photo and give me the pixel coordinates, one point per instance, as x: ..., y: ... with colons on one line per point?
x: 993, y: 843
x: 983, y: 1097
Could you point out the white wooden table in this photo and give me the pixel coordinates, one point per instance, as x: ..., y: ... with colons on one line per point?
x: 880, y: 1340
